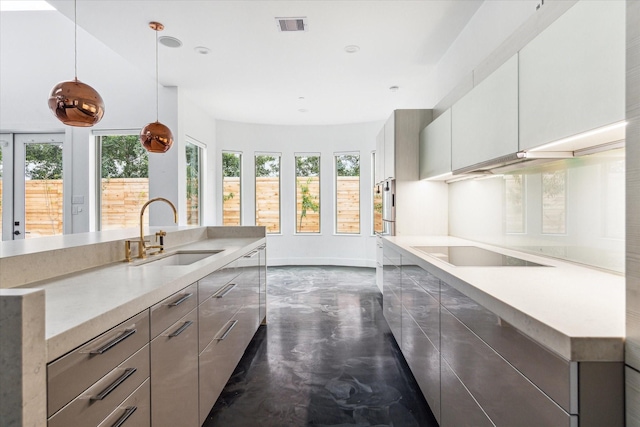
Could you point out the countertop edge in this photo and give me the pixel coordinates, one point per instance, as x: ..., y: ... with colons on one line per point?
x: 571, y: 348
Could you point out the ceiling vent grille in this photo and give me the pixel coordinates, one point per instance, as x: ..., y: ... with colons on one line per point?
x: 292, y: 24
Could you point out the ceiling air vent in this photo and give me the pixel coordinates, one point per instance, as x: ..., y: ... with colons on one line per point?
x: 292, y: 24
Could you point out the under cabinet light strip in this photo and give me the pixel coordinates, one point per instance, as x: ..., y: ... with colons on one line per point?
x: 580, y: 136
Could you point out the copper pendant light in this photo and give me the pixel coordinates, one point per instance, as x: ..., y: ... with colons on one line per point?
x: 156, y: 137
x: 75, y: 103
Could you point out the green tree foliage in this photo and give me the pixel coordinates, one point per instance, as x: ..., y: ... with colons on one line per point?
x: 348, y: 165
x: 267, y: 166
x: 43, y: 161
x: 308, y: 201
x: 230, y: 164
x: 307, y: 165
x: 124, y: 157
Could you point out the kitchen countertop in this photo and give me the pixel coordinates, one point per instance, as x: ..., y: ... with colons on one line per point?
x: 84, y: 304
x: 576, y: 311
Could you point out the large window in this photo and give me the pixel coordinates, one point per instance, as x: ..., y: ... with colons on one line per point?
x: 193, y: 160
x: 268, y: 191
x: 376, y: 197
x: 307, y: 193
x: 347, y: 193
x: 231, y: 188
x: 124, y: 181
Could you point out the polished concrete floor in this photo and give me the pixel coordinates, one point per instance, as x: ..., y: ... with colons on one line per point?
x: 326, y: 358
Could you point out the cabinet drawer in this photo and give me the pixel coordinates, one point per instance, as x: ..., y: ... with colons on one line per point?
x: 505, y: 395
x: 133, y: 412
x: 392, y: 310
x: 211, y: 283
x: 424, y: 360
x: 545, y: 369
x: 169, y: 310
x: 99, y: 400
x: 174, y: 374
x: 422, y: 278
x: 217, y: 310
x: 217, y: 362
x: 75, y: 372
x: 423, y: 308
x: 459, y: 409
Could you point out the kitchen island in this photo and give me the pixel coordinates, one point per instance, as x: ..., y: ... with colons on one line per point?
x: 61, y: 293
x: 539, y: 342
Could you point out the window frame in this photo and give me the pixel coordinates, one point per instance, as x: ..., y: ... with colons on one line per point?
x: 336, y: 155
x: 201, y: 150
x: 240, y: 155
x: 295, y: 204
x: 255, y: 178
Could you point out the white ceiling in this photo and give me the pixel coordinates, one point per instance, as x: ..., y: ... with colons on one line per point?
x: 255, y: 73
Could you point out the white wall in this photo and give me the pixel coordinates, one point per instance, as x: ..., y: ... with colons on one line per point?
x: 36, y: 52
x: 288, y: 248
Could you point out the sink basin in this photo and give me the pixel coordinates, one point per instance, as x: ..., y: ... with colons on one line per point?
x: 178, y: 258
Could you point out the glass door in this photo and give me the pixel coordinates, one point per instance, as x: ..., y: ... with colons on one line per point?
x: 37, y: 185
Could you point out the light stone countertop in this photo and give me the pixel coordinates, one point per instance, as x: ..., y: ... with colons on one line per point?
x: 575, y: 311
x: 82, y: 305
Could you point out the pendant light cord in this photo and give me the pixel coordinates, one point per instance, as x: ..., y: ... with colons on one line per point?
x: 75, y: 37
x: 157, y: 85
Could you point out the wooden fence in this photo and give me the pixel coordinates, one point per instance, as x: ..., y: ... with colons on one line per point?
x: 122, y: 199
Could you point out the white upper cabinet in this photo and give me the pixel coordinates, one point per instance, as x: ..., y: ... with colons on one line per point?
x: 572, y: 75
x: 435, y: 147
x: 485, y: 121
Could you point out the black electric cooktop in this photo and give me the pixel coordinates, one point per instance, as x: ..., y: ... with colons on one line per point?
x: 473, y: 256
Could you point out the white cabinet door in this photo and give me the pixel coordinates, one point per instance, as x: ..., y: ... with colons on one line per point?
x: 379, y: 171
x: 390, y: 148
x: 435, y: 147
x: 572, y: 75
x: 485, y: 121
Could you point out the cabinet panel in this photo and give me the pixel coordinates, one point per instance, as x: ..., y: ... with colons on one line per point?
x: 423, y: 358
x: 211, y: 283
x: 390, y: 148
x: 459, y: 409
x: 217, y: 310
x: 135, y: 411
x: 435, y: 147
x: 216, y: 364
x: 75, y: 372
x: 174, y: 374
x: 99, y: 400
x: 572, y: 75
x: 506, y: 396
x: 392, y: 291
x: 485, y: 121
x: 263, y: 285
x: 423, y: 308
x: 169, y: 310
x: 545, y: 369
x: 379, y: 167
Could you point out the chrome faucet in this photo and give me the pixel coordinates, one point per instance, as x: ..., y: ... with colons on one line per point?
x: 142, y: 244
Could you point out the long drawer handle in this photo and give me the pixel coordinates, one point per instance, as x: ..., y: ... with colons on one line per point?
x: 181, y: 300
x: 130, y: 410
x: 104, y: 393
x: 181, y: 329
x: 224, y: 290
x: 233, y: 325
x: 251, y: 254
x: 117, y: 340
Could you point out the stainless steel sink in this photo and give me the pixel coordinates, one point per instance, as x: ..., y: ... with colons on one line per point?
x: 178, y: 258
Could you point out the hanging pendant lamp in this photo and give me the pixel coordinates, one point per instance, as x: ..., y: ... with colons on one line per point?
x: 75, y: 103
x: 156, y: 137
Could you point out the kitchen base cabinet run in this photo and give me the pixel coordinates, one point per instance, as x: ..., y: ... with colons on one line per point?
x: 474, y: 369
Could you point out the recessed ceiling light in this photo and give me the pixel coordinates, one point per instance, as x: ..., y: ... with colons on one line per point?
x: 169, y: 41
x: 202, y: 50
x: 394, y: 88
x: 352, y: 48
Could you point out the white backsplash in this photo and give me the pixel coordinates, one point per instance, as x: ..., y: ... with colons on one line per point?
x: 572, y: 209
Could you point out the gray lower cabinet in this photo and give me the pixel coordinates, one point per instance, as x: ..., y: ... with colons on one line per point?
x: 135, y: 411
x: 475, y: 369
x: 174, y: 374
x: 262, y: 276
